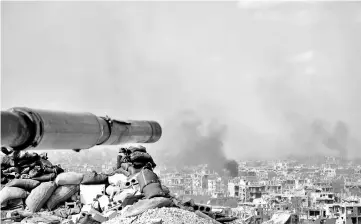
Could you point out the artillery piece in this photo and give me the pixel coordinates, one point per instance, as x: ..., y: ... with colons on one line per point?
x: 25, y: 128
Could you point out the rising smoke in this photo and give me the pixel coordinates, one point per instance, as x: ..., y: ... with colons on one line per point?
x: 193, y: 141
x: 319, y: 136
x: 232, y: 167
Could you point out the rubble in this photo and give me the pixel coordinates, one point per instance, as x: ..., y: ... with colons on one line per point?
x: 167, y: 215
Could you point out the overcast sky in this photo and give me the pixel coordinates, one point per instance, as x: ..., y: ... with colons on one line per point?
x: 266, y: 70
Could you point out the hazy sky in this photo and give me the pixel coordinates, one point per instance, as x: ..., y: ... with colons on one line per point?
x: 266, y: 70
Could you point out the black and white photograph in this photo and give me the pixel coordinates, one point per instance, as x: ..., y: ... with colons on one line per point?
x: 180, y: 112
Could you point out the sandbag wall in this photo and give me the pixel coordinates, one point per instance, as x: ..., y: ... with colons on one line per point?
x: 131, y: 160
x: 99, y: 195
x: 28, y: 165
x: 131, y: 189
x: 51, y: 195
x: 35, y: 194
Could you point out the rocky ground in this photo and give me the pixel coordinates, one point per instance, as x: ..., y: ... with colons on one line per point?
x: 166, y: 215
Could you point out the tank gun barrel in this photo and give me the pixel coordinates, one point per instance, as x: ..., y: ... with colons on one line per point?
x: 24, y: 128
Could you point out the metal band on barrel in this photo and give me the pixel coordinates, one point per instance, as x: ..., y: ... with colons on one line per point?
x: 36, y: 127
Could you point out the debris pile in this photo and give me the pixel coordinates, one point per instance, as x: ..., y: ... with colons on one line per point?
x: 131, y: 193
x: 162, y: 215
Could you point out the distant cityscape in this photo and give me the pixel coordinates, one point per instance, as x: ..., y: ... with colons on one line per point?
x: 324, y: 190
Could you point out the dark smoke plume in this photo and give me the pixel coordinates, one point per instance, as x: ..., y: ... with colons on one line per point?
x: 190, y: 140
x: 318, y: 137
x: 232, y: 167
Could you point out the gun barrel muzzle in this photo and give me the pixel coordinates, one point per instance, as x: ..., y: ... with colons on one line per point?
x: 23, y: 128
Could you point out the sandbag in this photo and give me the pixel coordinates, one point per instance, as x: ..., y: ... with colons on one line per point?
x: 117, y: 179
x: 46, y: 177
x: 149, y: 184
x: 29, y: 156
x: 119, y: 171
x: 138, y: 148
x: 61, y: 194
x: 146, y: 204
x: 54, y: 169
x: 40, y: 195
x: 139, y: 164
x: 145, y: 177
x: 31, y: 165
x: 58, y: 169
x: 45, y: 163
x: 12, y: 175
x: 69, y: 178
x: 9, y: 193
x: 12, y: 169
x: 153, y: 190
x: 131, y: 199
x: 93, y: 178
x: 26, y: 184
x: 48, y: 170
x: 140, y: 157
x: 35, y: 172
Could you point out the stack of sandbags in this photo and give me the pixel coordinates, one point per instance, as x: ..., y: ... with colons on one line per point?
x: 134, y: 183
x: 52, y: 193
x: 28, y: 165
x: 130, y: 163
x: 131, y: 160
x: 38, y: 195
